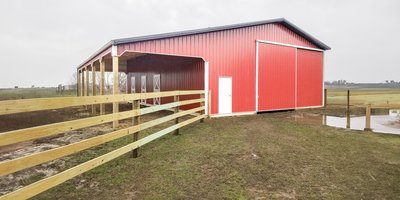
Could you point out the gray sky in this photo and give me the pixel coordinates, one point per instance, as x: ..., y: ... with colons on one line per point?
x: 42, y: 41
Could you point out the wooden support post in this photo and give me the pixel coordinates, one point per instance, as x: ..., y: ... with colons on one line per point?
x: 102, y: 78
x: 82, y: 82
x: 348, y: 110
x: 202, y: 104
x: 209, y: 104
x: 176, y: 110
x: 136, y: 121
x: 78, y: 83
x: 115, y: 65
x: 93, y: 87
x: 368, y: 118
x: 87, y: 82
x: 325, y: 97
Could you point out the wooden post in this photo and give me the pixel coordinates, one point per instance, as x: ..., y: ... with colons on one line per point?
x: 78, y: 82
x: 176, y: 110
x: 102, y: 69
x: 348, y: 110
x: 82, y: 82
x: 368, y: 118
x: 115, y: 65
x: 136, y: 121
x: 202, y: 104
x: 209, y: 104
x: 325, y: 97
x: 87, y: 82
x: 93, y: 87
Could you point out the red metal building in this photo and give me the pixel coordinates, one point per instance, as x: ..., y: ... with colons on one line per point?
x: 249, y: 67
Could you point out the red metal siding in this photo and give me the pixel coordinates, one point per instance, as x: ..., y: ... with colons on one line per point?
x: 229, y: 53
x: 176, y: 73
x: 309, y: 78
x: 276, y: 77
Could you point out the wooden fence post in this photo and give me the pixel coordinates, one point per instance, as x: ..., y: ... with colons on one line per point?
x: 93, y: 87
x: 348, y: 110
x: 176, y: 110
x: 325, y: 97
x: 115, y: 67
x: 202, y: 104
x: 136, y: 121
x: 78, y: 83
x: 368, y: 118
x: 102, y: 79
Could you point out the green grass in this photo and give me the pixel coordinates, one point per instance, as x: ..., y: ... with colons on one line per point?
x: 29, y: 93
x: 262, y: 156
x: 364, y: 96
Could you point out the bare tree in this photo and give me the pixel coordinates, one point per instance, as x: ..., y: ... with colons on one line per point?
x: 73, y: 79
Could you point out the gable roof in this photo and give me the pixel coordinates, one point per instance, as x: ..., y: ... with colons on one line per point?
x: 282, y: 21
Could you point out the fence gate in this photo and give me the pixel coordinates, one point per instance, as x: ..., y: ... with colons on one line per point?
x: 156, y: 88
x: 143, y: 87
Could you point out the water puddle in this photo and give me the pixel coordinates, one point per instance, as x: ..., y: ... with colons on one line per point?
x: 379, y: 123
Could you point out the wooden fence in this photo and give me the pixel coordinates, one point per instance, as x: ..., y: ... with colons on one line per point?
x: 28, y: 105
x: 368, y: 108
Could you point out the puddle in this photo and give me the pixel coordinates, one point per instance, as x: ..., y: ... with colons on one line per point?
x: 379, y: 123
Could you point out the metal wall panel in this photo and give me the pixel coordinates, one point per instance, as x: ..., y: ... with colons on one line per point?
x: 229, y: 53
x: 309, y: 78
x: 276, y: 77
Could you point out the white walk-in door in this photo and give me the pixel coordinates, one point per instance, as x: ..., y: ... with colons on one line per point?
x: 225, y: 95
x: 143, y: 87
x: 156, y: 88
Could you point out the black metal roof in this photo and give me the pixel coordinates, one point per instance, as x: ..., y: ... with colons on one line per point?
x: 282, y: 21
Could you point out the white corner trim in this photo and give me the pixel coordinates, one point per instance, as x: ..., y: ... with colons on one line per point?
x: 232, y: 114
x: 114, y: 50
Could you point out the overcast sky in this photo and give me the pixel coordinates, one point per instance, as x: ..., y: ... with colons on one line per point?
x: 42, y: 41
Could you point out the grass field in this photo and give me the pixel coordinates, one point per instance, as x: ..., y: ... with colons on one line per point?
x: 251, y: 157
x: 265, y: 156
x: 364, y: 96
x: 28, y: 93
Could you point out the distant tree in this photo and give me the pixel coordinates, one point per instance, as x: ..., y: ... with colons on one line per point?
x: 15, y: 87
x: 73, y: 79
x: 33, y: 86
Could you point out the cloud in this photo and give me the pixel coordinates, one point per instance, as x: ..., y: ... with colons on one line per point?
x: 43, y: 41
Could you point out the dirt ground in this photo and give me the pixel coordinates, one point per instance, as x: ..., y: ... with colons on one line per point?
x: 266, y: 156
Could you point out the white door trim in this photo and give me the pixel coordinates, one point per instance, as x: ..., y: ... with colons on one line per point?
x: 289, y: 45
x: 256, y: 97
x: 206, y: 87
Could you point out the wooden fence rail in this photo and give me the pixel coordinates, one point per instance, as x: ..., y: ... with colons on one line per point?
x: 21, y: 163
